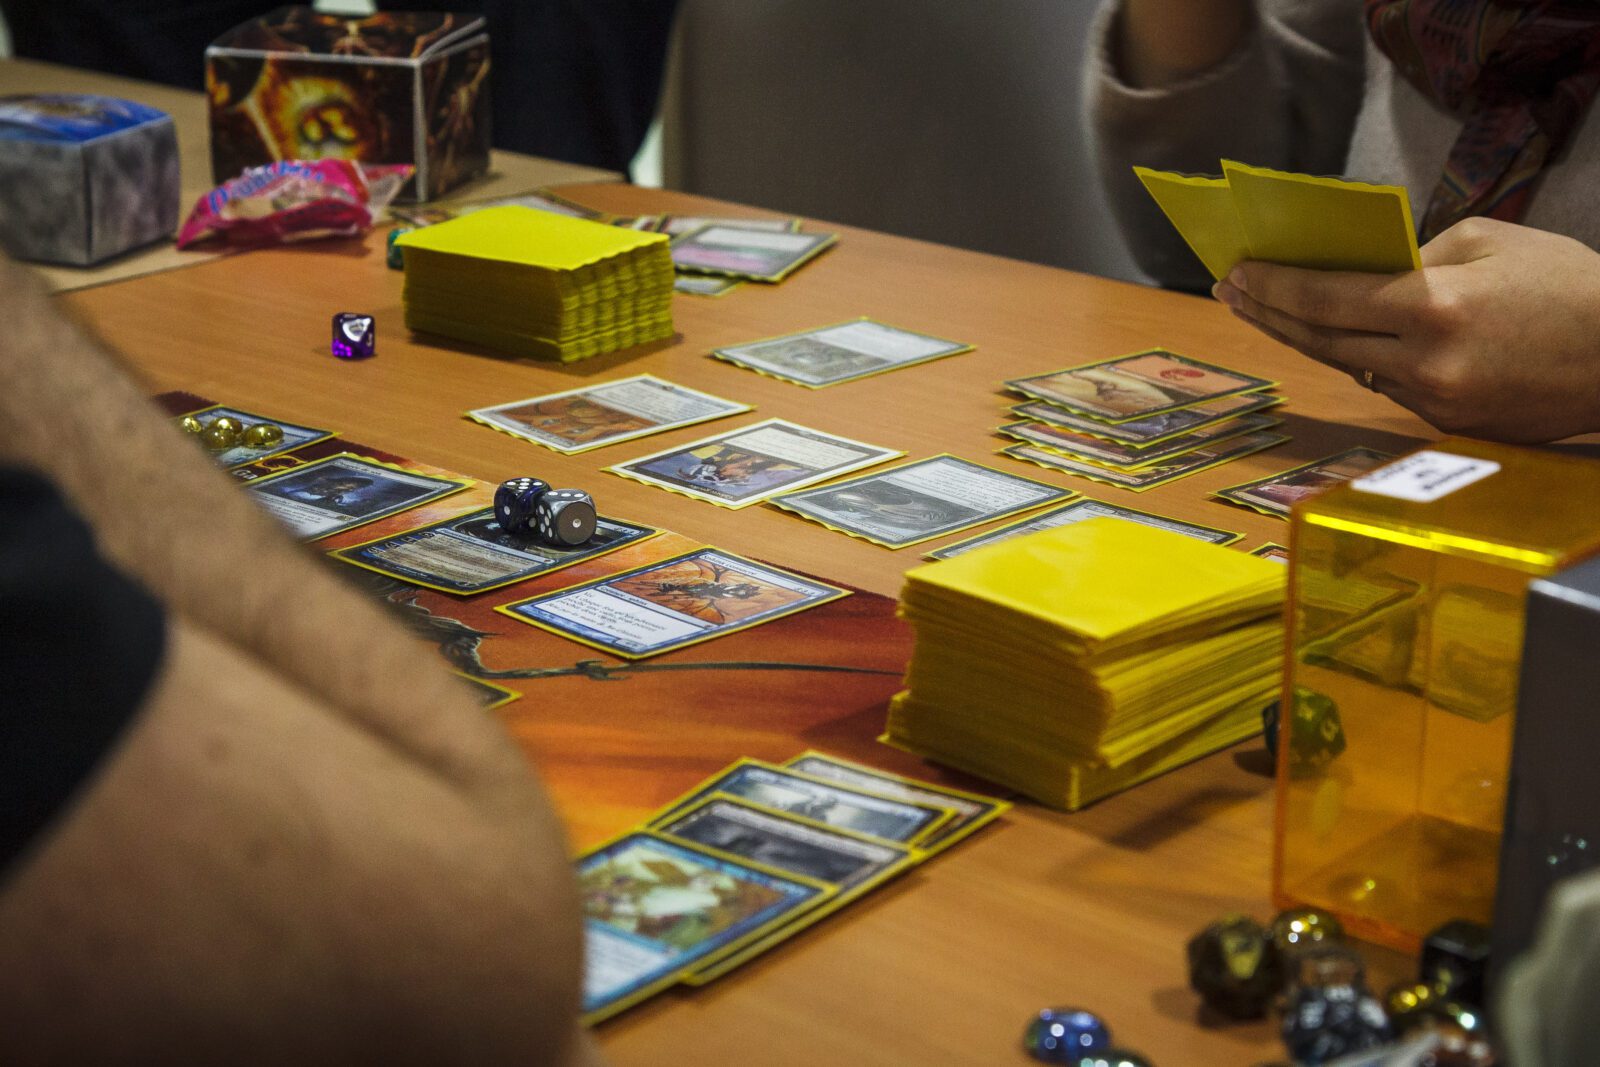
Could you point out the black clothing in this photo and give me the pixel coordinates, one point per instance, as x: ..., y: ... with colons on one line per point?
x: 80, y: 645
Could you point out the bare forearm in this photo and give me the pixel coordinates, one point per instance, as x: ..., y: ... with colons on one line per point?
x: 1164, y: 41
x: 166, y: 515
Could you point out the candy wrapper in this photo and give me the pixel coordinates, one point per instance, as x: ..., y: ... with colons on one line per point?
x: 294, y: 200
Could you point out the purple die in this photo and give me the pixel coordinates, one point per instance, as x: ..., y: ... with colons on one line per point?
x: 355, y: 336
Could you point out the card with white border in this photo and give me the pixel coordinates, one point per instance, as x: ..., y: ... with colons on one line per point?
x: 1156, y: 429
x: 1078, y: 511
x: 745, y: 253
x: 1137, y: 386
x: 843, y: 352
x: 672, y: 604
x: 595, y: 416
x: 918, y: 501
x: 737, y: 468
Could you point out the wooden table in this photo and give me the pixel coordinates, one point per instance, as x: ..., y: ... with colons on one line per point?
x: 509, y: 173
x: 945, y: 967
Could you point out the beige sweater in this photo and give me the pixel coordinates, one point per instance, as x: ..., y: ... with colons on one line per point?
x: 1306, y: 91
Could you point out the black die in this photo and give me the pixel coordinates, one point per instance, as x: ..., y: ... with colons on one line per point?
x: 565, y: 516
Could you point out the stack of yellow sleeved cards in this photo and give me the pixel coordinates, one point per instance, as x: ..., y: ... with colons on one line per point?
x: 534, y: 283
x: 1075, y: 662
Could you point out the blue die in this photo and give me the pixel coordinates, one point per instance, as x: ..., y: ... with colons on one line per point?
x: 1065, y: 1035
x: 355, y: 336
x: 514, y: 501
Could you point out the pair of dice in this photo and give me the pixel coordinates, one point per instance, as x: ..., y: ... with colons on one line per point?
x: 556, y: 516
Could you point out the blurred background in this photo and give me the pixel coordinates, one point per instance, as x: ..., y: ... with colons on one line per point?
x: 944, y: 120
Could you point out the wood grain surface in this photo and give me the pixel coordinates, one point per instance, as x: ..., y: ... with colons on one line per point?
x: 1044, y: 909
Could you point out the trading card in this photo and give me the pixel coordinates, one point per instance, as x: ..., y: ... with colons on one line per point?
x: 1277, y: 494
x: 672, y: 604
x: 840, y: 353
x: 905, y: 822
x: 744, y: 253
x: 599, y: 415
x: 856, y: 864
x: 704, y: 284
x: 293, y: 436
x: 678, y: 225
x: 1125, y: 457
x: 1155, y: 430
x: 645, y: 223
x: 920, y: 500
x: 785, y: 842
x: 489, y: 695
x: 1272, y: 550
x: 344, y: 491
x: 654, y: 907
x: 471, y: 554
x: 1137, y: 386
x: 973, y: 810
x: 1158, y: 474
x: 539, y: 200
x: 1078, y: 511
x: 745, y: 466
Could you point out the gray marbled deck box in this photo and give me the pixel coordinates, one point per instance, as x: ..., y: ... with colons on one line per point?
x: 84, y: 178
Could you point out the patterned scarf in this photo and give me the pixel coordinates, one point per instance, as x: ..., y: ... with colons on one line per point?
x: 1520, y: 73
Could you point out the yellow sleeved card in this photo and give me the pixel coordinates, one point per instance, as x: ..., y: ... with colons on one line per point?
x: 1296, y: 219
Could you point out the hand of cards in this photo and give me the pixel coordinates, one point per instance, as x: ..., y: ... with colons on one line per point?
x: 747, y: 859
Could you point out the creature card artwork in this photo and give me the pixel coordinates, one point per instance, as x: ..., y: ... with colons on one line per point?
x: 1271, y: 550
x: 766, y: 785
x: 1277, y: 494
x: 1078, y: 511
x: 973, y: 811
x: 293, y: 436
x: 343, y: 491
x: 1137, y: 386
x: 598, y: 415
x: 704, y: 284
x: 679, y: 225
x: 854, y: 863
x: 920, y: 500
x: 677, y: 602
x: 654, y: 906
x: 1157, y: 474
x: 746, y: 253
x: 745, y: 466
x: 1156, y: 429
x: 1126, y: 457
x: 472, y: 554
x: 839, y: 353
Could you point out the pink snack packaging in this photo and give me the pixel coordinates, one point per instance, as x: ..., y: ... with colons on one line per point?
x: 294, y: 200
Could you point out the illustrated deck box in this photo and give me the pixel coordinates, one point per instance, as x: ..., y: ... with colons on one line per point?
x: 396, y: 87
x: 83, y: 178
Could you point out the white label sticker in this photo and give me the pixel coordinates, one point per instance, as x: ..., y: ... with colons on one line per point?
x: 1426, y: 476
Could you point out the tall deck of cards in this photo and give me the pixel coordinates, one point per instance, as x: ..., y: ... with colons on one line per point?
x: 748, y: 859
